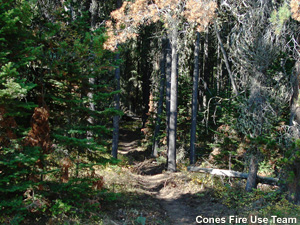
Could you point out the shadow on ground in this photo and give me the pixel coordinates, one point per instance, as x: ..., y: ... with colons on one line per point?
x: 144, y: 193
x: 157, y: 209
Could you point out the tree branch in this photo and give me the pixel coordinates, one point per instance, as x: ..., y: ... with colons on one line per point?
x: 226, y: 60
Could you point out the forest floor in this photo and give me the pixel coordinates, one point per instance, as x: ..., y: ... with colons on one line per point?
x: 142, y: 192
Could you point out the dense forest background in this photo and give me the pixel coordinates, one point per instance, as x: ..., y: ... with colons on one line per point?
x: 212, y: 83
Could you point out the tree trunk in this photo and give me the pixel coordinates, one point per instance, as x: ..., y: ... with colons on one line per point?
x: 116, y: 118
x: 145, y: 70
x: 173, y: 103
x: 293, y: 185
x: 161, y: 98
x: 168, y: 89
x: 90, y: 96
x: 194, y: 100
x: 205, y: 71
x: 93, y: 16
x: 294, y: 106
x: 251, y: 180
x: 94, y: 6
x: 219, y: 71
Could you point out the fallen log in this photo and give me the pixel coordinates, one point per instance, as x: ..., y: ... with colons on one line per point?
x: 235, y: 174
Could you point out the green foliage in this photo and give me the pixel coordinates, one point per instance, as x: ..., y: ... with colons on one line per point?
x: 17, y: 162
x: 59, y: 208
x: 264, y: 203
x: 282, y: 208
x: 280, y: 17
x: 11, y: 88
x: 51, y: 59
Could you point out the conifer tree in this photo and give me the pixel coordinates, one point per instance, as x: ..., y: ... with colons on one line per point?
x: 76, y: 57
x: 47, y: 61
x: 17, y: 161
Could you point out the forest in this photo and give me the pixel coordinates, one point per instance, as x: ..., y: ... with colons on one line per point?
x: 149, y: 112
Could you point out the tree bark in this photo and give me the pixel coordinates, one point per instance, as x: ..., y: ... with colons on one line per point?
x: 294, y: 106
x: 90, y: 96
x: 205, y: 75
x: 219, y: 71
x: 173, y: 103
x: 93, y: 16
x: 168, y: 88
x: 293, y: 185
x: 161, y: 98
x: 194, y: 100
x: 145, y: 70
x: 251, y: 180
x: 116, y: 118
x: 94, y: 6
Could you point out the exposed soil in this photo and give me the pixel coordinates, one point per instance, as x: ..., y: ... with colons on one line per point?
x: 158, y: 196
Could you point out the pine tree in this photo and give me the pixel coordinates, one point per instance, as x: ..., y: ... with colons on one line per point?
x: 76, y: 57
x: 54, y: 80
x: 17, y: 161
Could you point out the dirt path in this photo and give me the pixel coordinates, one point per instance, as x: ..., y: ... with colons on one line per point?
x: 172, y: 198
x: 173, y: 195
x: 182, y: 200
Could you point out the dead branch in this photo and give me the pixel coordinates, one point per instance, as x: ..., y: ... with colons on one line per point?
x: 235, y: 174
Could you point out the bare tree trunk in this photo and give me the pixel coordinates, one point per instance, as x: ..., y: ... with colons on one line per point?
x: 116, y: 119
x: 251, y: 180
x: 194, y: 100
x: 294, y: 106
x: 204, y: 70
x: 168, y: 88
x: 173, y: 103
x: 90, y: 96
x: 94, y: 6
x: 293, y: 186
x: 219, y: 71
x: 93, y: 10
x: 161, y: 98
x: 144, y: 45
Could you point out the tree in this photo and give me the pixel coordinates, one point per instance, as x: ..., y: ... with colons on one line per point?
x: 194, y: 99
x: 54, y: 90
x: 254, y: 54
x: 132, y: 15
x: 155, y: 145
x: 17, y: 161
x: 116, y: 118
x: 292, y: 131
x: 73, y: 66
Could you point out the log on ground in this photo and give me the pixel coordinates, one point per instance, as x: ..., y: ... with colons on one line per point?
x: 235, y: 174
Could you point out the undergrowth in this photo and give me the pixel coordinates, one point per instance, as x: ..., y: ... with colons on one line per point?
x: 265, y: 201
